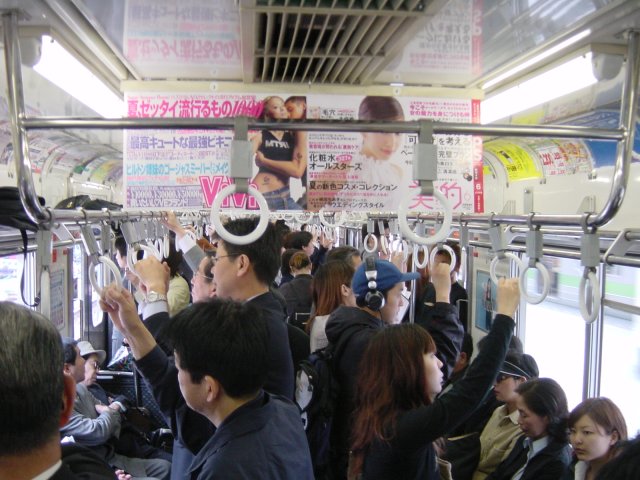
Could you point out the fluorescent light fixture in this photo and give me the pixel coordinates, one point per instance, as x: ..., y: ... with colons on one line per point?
x: 532, y: 61
x: 396, y: 84
x: 562, y: 80
x: 61, y: 68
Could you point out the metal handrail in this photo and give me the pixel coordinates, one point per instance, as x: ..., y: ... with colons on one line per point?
x: 412, y: 126
x: 624, y: 135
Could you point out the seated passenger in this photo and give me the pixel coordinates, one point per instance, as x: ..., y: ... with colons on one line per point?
x: 398, y: 414
x: 626, y: 465
x: 221, y: 353
x: 596, y: 430
x: 297, y: 292
x: 131, y: 442
x: 502, y: 431
x: 36, y: 399
x: 95, y: 425
x: 543, y: 452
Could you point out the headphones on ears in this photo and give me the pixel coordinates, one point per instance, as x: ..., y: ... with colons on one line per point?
x: 374, y: 299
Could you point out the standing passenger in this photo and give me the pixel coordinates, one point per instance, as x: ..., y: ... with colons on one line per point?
x: 398, y: 413
x: 221, y: 351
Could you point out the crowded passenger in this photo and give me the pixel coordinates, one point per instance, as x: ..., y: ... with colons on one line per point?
x: 345, y: 253
x: 331, y: 289
x: 36, y: 399
x: 543, y: 452
x: 398, y: 413
x: 502, y: 431
x: 597, y: 429
x: 349, y: 329
x: 242, y: 273
x: 93, y: 424
x: 222, y: 353
x: 297, y: 292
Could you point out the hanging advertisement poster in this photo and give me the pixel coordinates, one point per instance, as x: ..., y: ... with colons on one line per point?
x: 185, y: 169
x: 198, y: 38
x: 373, y: 170
x: 447, y: 48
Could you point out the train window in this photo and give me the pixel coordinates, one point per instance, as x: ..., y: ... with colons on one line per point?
x: 10, y: 274
x: 555, y: 331
x: 82, y: 291
x: 620, y: 378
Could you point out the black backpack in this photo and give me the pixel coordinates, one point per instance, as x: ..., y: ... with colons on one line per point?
x: 13, y: 214
x: 316, y: 396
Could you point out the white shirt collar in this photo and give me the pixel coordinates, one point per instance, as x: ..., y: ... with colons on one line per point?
x: 536, y: 446
x: 48, y: 473
x: 581, y: 470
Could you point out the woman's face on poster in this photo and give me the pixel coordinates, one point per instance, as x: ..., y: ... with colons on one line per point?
x: 275, y: 109
x: 380, y: 146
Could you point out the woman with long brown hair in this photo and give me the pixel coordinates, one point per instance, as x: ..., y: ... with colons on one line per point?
x: 398, y: 416
x: 331, y: 288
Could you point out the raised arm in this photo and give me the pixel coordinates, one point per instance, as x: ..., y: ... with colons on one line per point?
x: 429, y: 422
x: 444, y: 324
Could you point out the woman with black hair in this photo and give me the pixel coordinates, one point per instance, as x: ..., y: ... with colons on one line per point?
x: 543, y: 453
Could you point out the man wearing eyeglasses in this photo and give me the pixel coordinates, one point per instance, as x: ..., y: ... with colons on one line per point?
x: 242, y: 273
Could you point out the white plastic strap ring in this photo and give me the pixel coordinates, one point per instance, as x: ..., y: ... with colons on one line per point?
x: 403, y: 247
x: 338, y: 219
x: 494, y: 264
x: 131, y: 255
x: 107, y: 262
x: 374, y: 239
x: 592, y: 278
x: 546, y: 280
x: 166, y: 246
x: 425, y: 251
x: 384, y: 245
x: 159, y: 245
x: 223, y: 232
x: 449, y: 250
x: 440, y: 236
x: 303, y: 218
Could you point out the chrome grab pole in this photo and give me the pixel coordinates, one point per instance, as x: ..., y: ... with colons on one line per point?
x: 15, y: 101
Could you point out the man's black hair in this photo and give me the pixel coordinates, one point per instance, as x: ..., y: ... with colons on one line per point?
x: 297, y: 240
x: 264, y: 253
x: 343, y: 254
x: 224, y: 339
x: 69, y: 350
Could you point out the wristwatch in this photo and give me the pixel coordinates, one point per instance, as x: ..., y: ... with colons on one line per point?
x: 155, y: 297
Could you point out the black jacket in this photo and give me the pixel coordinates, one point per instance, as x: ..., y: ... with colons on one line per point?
x: 192, y: 430
x: 409, y: 454
x: 80, y: 463
x: 297, y: 294
x: 551, y: 463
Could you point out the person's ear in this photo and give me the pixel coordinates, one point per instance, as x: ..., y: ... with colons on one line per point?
x: 615, y: 438
x: 463, y: 358
x: 345, y: 290
x: 67, y: 369
x: 213, y: 388
x: 243, y: 265
x: 68, y: 398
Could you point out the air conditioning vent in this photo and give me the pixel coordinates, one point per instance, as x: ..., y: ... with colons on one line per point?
x: 326, y: 41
